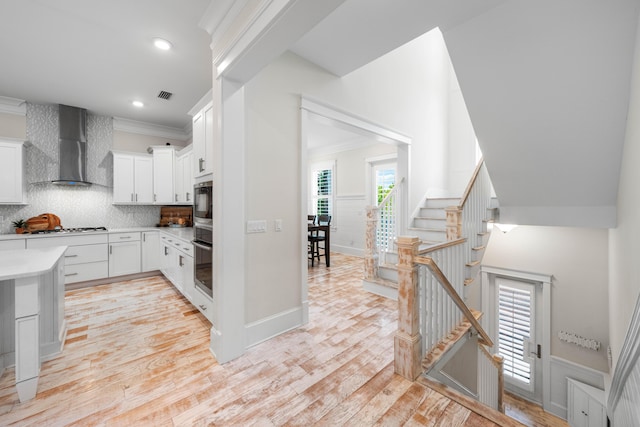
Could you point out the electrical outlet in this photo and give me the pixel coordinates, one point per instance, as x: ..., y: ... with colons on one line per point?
x: 278, y: 225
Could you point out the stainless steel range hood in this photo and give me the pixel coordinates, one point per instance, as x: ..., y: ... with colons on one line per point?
x: 73, y: 146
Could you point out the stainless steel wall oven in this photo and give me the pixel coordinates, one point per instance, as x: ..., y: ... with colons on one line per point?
x: 203, y: 202
x: 203, y: 258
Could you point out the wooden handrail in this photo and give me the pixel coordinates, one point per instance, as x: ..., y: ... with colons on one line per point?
x: 448, y: 287
x: 442, y: 246
x: 472, y: 181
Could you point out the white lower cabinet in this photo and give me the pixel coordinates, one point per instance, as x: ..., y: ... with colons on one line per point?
x: 585, y: 405
x: 150, y: 250
x: 86, y: 258
x: 124, y: 254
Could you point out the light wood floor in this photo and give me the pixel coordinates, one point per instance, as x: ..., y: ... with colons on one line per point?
x: 137, y: 354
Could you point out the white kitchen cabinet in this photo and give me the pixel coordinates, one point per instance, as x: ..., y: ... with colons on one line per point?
x: 86, y: 258
x: 150, y: 250
x: 184, y: 176
x: 203, y: 129
x: 163, y: 175
x: 12, y: 171
x: 132, y: 178
x: 184, y: 273
x: 168, y: 264
x: 124, y: 254
x: 585, y: 405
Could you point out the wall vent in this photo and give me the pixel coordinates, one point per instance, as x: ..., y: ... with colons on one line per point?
x: 164, y: 94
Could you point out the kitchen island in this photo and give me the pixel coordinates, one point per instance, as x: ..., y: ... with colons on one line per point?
x: 31, y: 312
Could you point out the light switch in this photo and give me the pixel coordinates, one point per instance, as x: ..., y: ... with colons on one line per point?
x: 257, y: 226
x: 278, y: 225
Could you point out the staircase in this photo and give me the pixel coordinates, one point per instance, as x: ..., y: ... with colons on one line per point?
x: 428, y: 274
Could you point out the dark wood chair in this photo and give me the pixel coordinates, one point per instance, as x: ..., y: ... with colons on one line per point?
x: 318, y: 238
x: 311, y: 220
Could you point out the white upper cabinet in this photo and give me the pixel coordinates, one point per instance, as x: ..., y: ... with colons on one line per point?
x: 132, y: 178
x: 184, y: 176
x: 163, y: 175
x: 203, y: 128
x: 12, y: 171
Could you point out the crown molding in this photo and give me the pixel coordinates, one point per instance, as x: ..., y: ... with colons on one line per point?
x: 13, y: 106
x: 142, y: 128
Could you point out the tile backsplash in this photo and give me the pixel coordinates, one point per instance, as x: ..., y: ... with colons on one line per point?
x: 76, y: 206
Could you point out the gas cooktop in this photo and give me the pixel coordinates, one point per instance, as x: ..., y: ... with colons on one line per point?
x: 70, y: 230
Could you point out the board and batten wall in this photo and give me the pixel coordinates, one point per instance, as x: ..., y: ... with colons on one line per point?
x: 351, y: 199
x: 624, y: 248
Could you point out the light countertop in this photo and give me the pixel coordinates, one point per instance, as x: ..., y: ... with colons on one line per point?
x: 29, y: 262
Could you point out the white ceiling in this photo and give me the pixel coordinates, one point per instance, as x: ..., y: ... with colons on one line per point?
x: 99, y: 55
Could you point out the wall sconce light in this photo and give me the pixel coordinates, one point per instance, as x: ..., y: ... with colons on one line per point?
x: 505, y: 228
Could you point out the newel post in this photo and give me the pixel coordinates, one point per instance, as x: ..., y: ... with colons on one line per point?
x: 370, y: 250
x: 454, y: 222
x: 408, y: 341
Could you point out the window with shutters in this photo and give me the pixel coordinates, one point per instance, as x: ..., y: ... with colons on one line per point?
x: 322, y: 189
x: 516, y: 311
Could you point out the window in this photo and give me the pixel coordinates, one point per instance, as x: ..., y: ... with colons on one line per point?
x: 516, y: 321
x: 322, y: 189
x: 385, y: 180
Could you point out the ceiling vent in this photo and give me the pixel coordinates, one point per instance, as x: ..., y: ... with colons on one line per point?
x: 165, y: 95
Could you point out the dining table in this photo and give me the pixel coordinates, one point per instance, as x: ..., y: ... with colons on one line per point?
x: 327, y: 240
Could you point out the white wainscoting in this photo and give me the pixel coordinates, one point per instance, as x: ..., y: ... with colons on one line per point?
x: 562, y: 369
x: 348, y: 231
x: 269, y: 327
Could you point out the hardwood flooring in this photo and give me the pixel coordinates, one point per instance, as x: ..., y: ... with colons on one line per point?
x: 137, y: 354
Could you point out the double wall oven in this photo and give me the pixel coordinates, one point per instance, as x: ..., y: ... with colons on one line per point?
x: 203, y: 236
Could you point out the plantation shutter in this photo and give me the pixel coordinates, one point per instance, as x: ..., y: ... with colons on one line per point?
x: 322, y: 184
x: 515, y: 327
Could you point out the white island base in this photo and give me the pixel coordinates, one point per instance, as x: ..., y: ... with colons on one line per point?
x: 36, y: 278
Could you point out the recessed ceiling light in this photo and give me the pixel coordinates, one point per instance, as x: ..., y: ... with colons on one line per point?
x: 138, y: 104
x: 162, y: 44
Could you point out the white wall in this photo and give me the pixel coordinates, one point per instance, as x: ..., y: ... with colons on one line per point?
x: 13, y: 126
x: 405, y: 90
x: 138, y: 143
x: 624, y: 277
x: 578, y: 260
x: 351, y: 195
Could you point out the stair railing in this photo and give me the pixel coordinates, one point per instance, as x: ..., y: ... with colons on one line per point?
x: 384, y: 224
x: 431, y: 310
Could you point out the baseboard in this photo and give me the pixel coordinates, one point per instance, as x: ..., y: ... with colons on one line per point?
x: 378, y: 289
x: 347, y: 250
x: 562, y: 369
x: 267, y: 328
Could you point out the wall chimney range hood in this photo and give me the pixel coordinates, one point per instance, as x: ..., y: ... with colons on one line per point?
x: 73, y: 146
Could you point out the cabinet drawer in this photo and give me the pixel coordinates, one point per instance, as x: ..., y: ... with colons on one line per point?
x: 12, y: 245
x: 124, y: 237
x: 47, y: 242
x: 202, y: 303
x: 89, y: 271
x: 184, y: 247
x: 86, y: 253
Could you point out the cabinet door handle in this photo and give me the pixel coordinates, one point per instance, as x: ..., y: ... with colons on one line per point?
x: 188, y: 196
x: 203, y: 307
x: 110, y: 249
x: 70, y: 274
x: 125, y: 237
x: 155, y: 197
x: 136, y: 197
x: 181, y: 261
x: 70, y: 256
x: 201, y: 164
x: 176, y: 197
x: 144, y: 237
x: 132, y: 197
x: 166, y: 250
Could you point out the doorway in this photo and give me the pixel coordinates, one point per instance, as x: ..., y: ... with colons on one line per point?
x: 517, y: 309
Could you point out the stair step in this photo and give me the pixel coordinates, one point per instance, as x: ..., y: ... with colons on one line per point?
x: 473, y: 263
x: 432, y: 357
x: 479, y: 248
x: 469, y: 281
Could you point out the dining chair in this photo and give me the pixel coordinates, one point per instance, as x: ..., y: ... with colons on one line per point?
x: 319, y: 238
x: 311, y: 220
